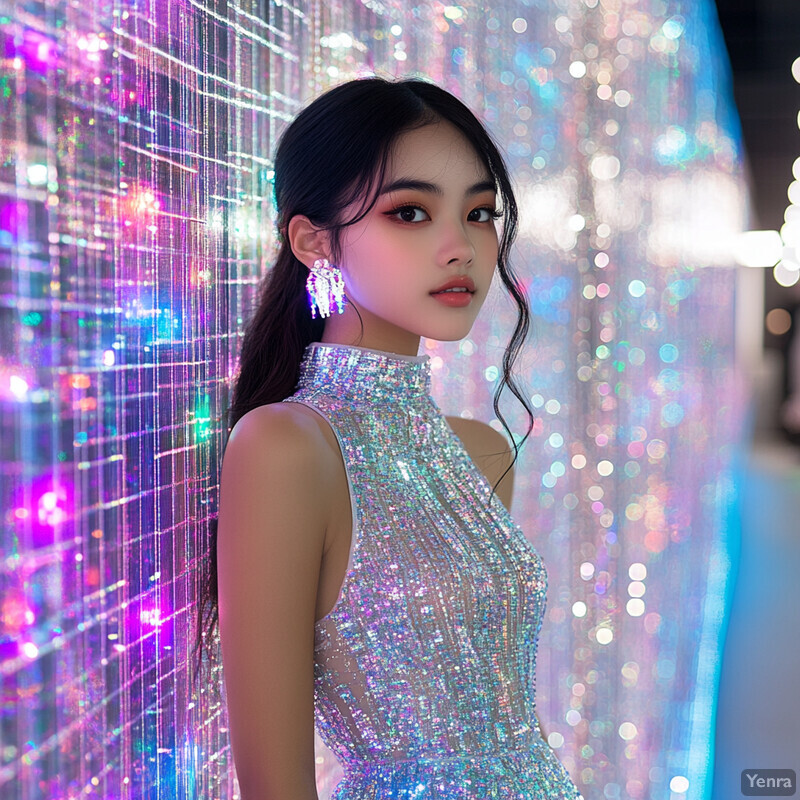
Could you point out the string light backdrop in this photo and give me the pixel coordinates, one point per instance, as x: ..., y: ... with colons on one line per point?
x: 133, y: 228
x: 135, y: 222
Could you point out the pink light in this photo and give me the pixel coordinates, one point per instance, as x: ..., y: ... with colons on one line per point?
x: 15, y: 613
x: 38, y: 52
x: 635, y: 449
x: 151, y: 616
x: 50, y: 508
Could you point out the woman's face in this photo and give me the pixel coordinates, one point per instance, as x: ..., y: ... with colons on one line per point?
x: 433, y: 222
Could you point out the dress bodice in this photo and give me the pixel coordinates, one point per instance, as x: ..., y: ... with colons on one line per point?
x: 424, y: 668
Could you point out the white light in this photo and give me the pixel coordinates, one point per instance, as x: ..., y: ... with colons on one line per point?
x: 636, y: 589
x: 796, y: 69
x: 622, y: 98
x: 18, y: 386
x: 573, y: 717
x: 604, y: 167
x: 579, y: 609
x: 796, y: 169
x: 790, y: 256
x: 48, y: 501
x: 577, y: 69
x: 552, y: 406
x: 673, y: 28
x: 784, y: 275
x: 794, y: 193
x: 555, y: 740
x: 637, y: 288
x: 679, y: 784
x: 758, y: 248
x: 790, y: 230
x: 562, y: 24
x: 627, y: 731
x: 605, y: 636
x: 595, y: 493
x: 637, y: 571
x: 576, y: 223
x: 635, y: 607
x: 37, y: 174
x: 605, y: 468
x: 216, y: 221
x: 694, y: 219
x: 545, y: 208
x: 30, y: 650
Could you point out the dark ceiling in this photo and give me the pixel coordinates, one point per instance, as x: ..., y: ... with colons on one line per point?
x: 763, y: 39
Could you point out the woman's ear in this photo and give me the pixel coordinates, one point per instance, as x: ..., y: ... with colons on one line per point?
x: 308, y: 242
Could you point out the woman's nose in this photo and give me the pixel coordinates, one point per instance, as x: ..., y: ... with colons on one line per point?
x: 458, y: 247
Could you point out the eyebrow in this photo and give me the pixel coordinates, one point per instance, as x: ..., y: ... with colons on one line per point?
x: 433, y: 188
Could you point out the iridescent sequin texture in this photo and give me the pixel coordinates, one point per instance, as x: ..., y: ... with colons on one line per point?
x: 424, y: 669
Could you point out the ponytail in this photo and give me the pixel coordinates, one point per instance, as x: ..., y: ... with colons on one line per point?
x: 269, y: 367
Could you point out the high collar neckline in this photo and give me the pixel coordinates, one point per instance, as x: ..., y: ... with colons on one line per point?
x: 364, y: 371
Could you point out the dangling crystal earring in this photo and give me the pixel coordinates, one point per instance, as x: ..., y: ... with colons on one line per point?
x: 325, y: 287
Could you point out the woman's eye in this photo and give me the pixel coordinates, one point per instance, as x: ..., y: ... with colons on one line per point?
x: 409, y: 214
x: 489, y: 214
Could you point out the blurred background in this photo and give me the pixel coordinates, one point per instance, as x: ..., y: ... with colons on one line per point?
x: 761, y: 40
x: 759, y: 712
x: 655, y: 147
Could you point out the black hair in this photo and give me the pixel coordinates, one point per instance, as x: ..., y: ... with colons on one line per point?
x: 335, y: 153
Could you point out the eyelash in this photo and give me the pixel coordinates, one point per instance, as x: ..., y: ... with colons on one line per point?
x: 493, y: 212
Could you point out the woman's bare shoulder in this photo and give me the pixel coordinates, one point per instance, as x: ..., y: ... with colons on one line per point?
x: 479, y: 438
x: 491, y: 452
x: 283, y: 428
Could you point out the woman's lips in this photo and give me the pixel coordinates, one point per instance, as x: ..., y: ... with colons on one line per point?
x: 456, y: 291
x: 453, y: 299
x: 457, y: 282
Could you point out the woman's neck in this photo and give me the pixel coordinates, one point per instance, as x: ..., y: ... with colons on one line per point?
x: 369, y: 331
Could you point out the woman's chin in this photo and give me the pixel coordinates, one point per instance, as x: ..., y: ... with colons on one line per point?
x: 448, y: 333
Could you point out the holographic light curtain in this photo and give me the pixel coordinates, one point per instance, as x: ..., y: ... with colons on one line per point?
x: 135, y: 222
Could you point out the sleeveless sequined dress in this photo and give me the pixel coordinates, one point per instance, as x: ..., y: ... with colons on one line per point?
x: 424, y: 668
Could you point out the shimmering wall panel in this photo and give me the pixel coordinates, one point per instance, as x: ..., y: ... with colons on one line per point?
x: 135, y: 222
x: 133, y: 198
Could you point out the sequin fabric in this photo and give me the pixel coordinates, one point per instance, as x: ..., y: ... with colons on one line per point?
x: 424, y: 668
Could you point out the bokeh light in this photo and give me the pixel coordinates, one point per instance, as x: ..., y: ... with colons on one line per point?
x: 778, y: 321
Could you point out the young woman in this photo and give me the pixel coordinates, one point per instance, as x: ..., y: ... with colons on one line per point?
x: 369, y: 577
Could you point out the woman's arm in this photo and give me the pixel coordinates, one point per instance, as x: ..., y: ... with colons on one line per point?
x: 272, y: 521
